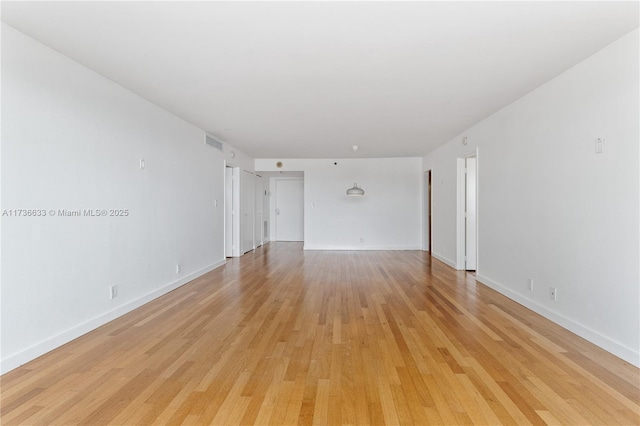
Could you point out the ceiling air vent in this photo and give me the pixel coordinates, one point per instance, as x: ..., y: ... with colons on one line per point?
x: 211, y: 141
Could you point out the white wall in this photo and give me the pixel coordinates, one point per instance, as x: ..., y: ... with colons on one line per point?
x: 388, y: 217
x: 72, y: 139
x: 237, y: 158
x: 550, y: 208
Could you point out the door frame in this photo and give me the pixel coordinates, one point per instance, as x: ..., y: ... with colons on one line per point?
x: 460, y: 211
x: 427, y: 244
x: 232, y: 211
x: 258, y: 231
x: 248, y: 210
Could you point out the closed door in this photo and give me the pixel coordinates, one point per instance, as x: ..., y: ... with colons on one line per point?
x: 228, y: 212
x: 470, y: 214
x: 257, y: 229
x: 289, y: 210
x: 266, y: 218
x: 247, y: 189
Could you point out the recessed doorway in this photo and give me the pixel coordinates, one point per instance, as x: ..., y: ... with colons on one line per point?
x: 427, y: 212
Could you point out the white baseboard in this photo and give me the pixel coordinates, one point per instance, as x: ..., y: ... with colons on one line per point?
x: 16, y: 360
x: 628, y: 354
x: 358, y: 248
x: 444, y: 260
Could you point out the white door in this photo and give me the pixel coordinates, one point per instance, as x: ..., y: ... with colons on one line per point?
x: 247, y: 188
x: 259, y: 215
x: 232, y: 212
x: 470, y: 214
x: 266, y: 216
x: 289, y: 210
x: 228, y: 212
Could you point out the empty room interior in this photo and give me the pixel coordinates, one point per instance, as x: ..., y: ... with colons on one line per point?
x: 278, y: 213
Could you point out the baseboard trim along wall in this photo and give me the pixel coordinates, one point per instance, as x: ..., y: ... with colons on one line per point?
x: 444, y: 260
x: 628, y: 354
x: 33, y: 352
x: 356, y: 248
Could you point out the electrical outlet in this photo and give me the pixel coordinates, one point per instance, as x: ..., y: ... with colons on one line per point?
x: 530, y: 284
x: 553, y: 293
x: 178, y: 268
x: 113, y: 292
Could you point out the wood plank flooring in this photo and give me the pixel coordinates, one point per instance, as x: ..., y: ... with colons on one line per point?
x: 283, y: 337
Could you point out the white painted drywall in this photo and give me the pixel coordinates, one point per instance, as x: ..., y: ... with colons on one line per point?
x: 72, y: 139
x: 236, y: 158
x: 387, y: 217
x: 550, y: 208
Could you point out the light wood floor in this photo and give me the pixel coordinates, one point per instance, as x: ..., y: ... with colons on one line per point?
x: 281, y: 336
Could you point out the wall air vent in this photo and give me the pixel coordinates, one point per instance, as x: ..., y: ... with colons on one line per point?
x: 211, y: 141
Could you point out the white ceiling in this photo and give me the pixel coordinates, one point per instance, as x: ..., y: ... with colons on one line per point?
x: 311, y: 79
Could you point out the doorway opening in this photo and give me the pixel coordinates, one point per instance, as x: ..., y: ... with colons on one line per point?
x: 427, y: 212
x: 247, y: 211
x: 282, y: 205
